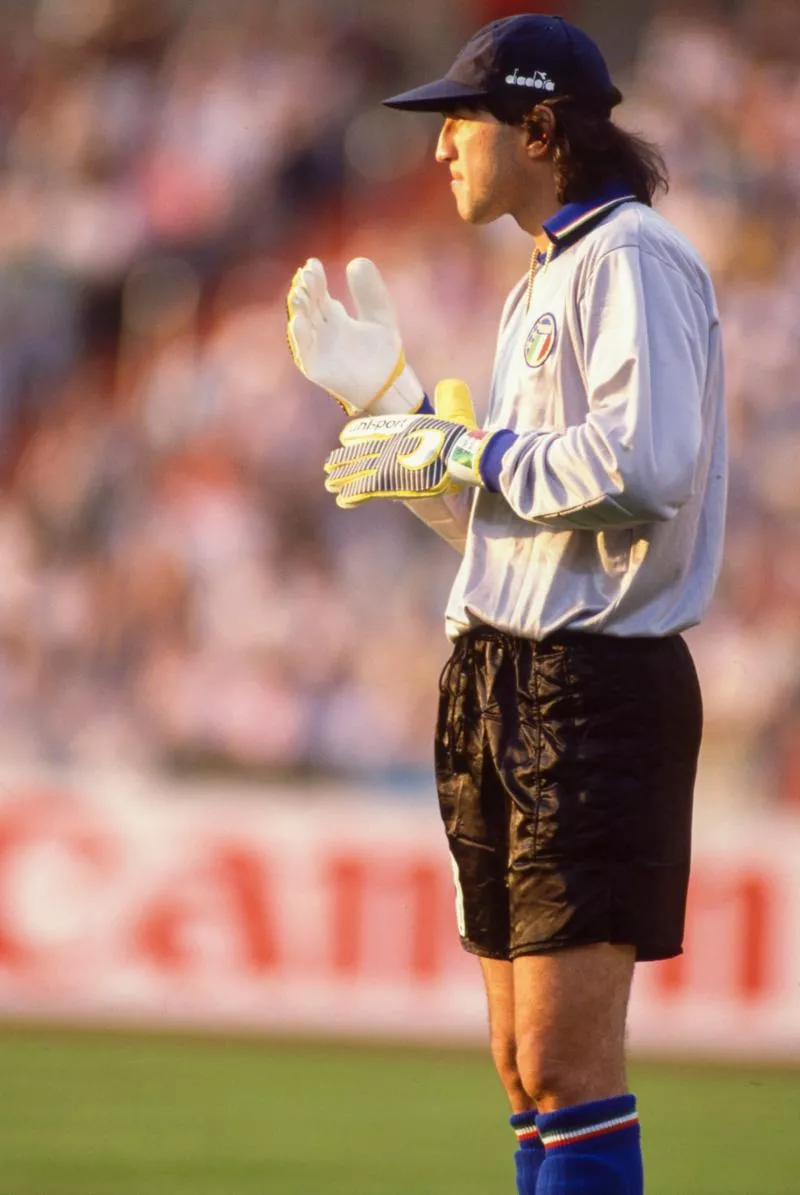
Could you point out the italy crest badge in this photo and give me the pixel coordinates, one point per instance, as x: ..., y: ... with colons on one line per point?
x: 541, y: 341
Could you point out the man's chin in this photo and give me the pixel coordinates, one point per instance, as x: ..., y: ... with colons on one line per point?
x: 477, y: 215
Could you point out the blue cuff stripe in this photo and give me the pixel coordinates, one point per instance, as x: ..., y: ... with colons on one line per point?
x: 426, y: 408
x: 491, y: 462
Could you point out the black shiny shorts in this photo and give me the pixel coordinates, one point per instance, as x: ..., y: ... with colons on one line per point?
x: 565, y: 771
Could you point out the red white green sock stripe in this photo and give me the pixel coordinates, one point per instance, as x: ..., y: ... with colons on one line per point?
x: 524, y: 1126
x: 553, y: 1138
x: 531, y: 1133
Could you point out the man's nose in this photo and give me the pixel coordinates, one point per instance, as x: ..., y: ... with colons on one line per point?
x: 444, y: 146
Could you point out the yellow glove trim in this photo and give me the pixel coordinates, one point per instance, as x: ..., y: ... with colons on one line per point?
x: 445, y: 487
x: 393, y: 376
x: 348, y: 407
x: 292, y: 346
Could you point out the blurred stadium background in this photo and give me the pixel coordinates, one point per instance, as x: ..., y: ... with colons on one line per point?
x: 217, y: 691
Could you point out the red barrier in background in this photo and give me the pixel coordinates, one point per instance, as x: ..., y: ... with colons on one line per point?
x: 338, y: 917
x: 746, y: 900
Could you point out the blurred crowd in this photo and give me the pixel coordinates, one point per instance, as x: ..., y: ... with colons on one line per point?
x: 178, y: 590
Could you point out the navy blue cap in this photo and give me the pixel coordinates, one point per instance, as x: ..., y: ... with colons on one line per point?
x: 513, y: 64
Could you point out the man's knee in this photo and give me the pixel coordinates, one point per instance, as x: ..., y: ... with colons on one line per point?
x: 555, y: 1076
x: 526, y: 1066
x: 504, y: 1056
x: 552, y: 1075
x: 541, y: 1072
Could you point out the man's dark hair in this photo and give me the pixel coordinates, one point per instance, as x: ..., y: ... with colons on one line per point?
x: 590, y: 151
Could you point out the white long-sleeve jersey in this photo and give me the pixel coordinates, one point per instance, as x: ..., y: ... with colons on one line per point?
x: 609, y: 516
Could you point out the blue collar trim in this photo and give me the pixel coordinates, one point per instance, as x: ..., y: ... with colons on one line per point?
x: 576, y: 218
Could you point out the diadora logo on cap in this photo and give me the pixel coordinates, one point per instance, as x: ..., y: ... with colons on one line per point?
x: 539, y: 79
x: 541, y: 341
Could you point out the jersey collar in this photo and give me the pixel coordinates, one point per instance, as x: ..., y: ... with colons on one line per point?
x: 574, y: 220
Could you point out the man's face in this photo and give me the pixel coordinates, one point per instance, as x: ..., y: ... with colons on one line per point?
x: 488, y: 164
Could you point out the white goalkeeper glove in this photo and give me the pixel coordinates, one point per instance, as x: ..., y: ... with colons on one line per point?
x: 359, y: 361
x: 409, y: 456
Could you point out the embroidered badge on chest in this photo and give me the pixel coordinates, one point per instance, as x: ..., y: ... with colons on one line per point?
x: 541, y: 341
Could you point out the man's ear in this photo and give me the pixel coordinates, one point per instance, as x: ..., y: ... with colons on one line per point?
x: 540, y: 125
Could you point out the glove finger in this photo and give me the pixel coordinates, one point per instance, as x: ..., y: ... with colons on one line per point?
x: 315, y: 281
x: 297, y: 301
x: 368, y: 290
x: 335, y: 478
x: 301, y: 336
x: 360, y: 478
x: 340, y: 457
x: 318, y: 310
x: 309, y: 271
x: 350, y: 499
x: 336, y: 484
x: 452, y: 400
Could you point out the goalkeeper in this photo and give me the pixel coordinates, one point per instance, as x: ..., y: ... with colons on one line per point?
x: 589, y: 513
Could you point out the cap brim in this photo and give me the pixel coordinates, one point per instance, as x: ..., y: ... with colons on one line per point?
x: 440, y: 96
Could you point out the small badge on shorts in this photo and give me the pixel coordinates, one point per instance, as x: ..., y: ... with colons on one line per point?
x: 541, y: 341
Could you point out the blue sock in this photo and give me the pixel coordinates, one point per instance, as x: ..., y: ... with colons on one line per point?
x: 591, y: 1149
x: 530, y: 1152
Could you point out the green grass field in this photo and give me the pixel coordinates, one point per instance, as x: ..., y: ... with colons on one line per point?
x: 84, y: 1114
